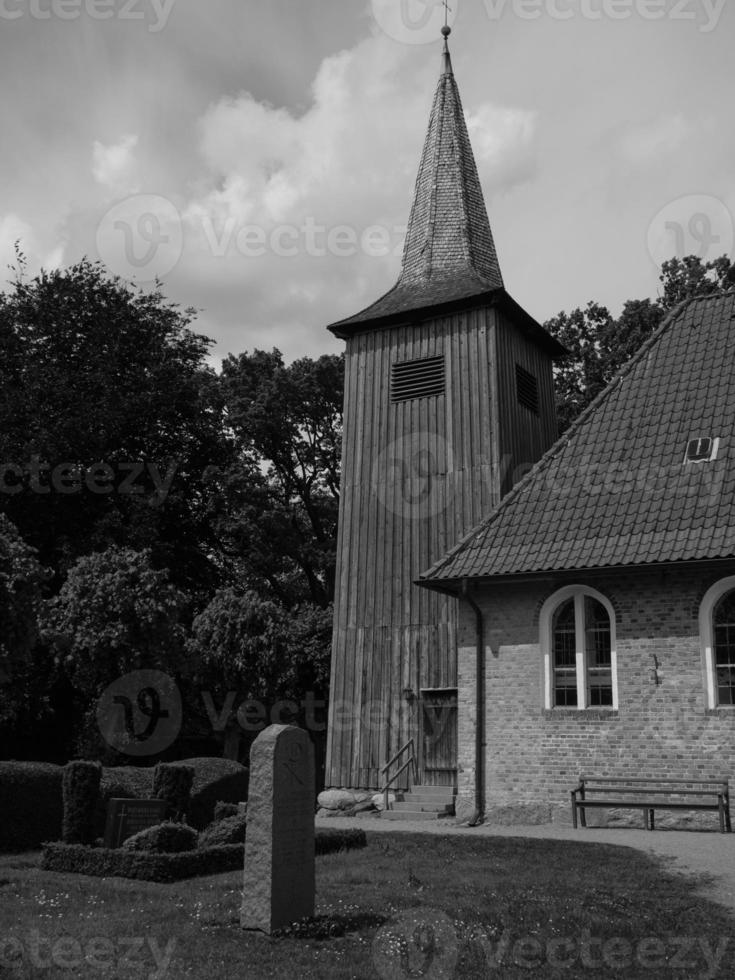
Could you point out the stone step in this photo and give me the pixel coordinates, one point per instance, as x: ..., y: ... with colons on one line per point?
x: 409, y: 815
x: 425, y: 798
x: 430, y: 792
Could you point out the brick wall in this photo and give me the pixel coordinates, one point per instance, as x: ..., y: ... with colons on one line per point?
x: 534, y: 756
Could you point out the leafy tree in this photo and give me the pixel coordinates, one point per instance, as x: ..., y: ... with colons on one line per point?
x: 599, y: 345
x: 114, y: 614
x: 252, y: 649
x: 112, y: 421
x: 282, y: 495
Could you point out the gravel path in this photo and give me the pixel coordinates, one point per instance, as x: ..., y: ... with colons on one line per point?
x: 700, y: 853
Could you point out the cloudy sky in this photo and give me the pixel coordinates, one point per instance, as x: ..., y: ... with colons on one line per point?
x: 260, y: 157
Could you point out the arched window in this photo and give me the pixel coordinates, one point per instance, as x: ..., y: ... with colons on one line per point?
x: 717, y: 632
x: 578, y: 644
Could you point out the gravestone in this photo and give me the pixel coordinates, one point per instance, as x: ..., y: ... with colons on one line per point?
x: 128, y: 817
x: 278, y: 884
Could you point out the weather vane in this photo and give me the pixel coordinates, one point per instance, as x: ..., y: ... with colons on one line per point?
x: 447, y: 11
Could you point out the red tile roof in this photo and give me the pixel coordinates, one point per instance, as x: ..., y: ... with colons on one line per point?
x: 615, y: 489
x: 449, y: 254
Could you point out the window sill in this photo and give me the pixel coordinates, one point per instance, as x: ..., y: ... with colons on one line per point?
x: 582, y: 714
x: 721, y: 711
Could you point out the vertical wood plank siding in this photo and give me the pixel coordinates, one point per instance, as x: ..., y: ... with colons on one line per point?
x: 416, y: 476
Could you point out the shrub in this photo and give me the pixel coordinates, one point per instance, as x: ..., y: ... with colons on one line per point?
x: 164, y: 838
x: 223, y: 810
x: 172, y: 782
x: 215, y: 780
x: 229, y: 830
x: 32, y: 807
x: 147, y: 866
x: 143, y: 865
x: 81, y: 784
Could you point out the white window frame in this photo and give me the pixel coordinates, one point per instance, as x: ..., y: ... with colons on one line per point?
x: 707, y: 638
x: 546, y: 631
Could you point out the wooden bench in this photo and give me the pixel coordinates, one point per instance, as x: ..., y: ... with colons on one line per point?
x: 650, y: 795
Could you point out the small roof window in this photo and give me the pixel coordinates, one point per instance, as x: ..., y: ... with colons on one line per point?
x: 702, y: 450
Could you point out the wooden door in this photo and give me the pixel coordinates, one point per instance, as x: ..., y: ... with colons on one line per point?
x: 439, y: 737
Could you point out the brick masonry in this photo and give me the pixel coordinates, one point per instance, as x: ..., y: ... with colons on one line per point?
x: 533, y: 756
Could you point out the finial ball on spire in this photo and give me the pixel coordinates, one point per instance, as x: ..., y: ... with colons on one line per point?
x: 446, y: 30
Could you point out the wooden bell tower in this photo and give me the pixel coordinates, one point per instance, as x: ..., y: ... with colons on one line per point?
x: 448, y: 395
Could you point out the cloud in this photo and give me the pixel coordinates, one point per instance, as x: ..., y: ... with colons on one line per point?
x: 303, y: 215
x: 114, y: 166
x: 650, y: 143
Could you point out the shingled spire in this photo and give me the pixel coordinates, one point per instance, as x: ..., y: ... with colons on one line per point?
x: 449, y: 254
x: 449, y: 231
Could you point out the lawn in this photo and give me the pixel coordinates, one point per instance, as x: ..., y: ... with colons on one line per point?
x: 439, y: 907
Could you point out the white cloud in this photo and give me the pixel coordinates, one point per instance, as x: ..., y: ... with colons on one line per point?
x: 114, y: 166
x: 651, y: 142
x: 503, y: 140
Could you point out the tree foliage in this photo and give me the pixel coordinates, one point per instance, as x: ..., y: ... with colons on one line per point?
x: 599, y: 344
x: 98, y: 380
x: 114, y: 614
x: 282, y: 495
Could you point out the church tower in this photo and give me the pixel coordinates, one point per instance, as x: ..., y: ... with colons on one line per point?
x: 448, y: 399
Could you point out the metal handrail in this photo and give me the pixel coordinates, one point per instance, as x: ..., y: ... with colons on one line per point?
x: 411, y: 761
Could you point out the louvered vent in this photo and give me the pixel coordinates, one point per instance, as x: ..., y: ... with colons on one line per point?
x: 527, y: 389
x: 417, y: 379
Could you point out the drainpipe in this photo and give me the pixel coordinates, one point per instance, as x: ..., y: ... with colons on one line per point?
x: 480, y: 702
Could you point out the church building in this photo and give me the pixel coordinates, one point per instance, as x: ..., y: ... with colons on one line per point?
x: 499, y: 631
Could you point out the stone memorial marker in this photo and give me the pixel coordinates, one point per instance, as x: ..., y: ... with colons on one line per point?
x: 128, y: 817
x: 278, y: 885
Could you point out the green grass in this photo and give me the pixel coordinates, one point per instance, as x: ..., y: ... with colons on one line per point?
x: 495, y: 892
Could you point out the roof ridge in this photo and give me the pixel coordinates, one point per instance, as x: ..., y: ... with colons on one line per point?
x: 566, y: 437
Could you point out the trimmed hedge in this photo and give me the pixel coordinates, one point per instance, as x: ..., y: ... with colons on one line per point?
x: 172, y: 782
x: 223, y: 810
x: 32, y: 806
x: 229, y: 830
x: 81, y: 784
x: 102, y: 862
x: 31, y: 797
x: 164, y: 838
x: 214, y: 780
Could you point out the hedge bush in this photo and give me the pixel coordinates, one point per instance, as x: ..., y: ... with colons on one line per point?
x: 223, y: 810
x: 31, y: 799
x: 229, y: 830
x: 215, y: 780
x: 172, y: 782
x: 81, y: 784
x: 102, y: 862
x: 165, y: 838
